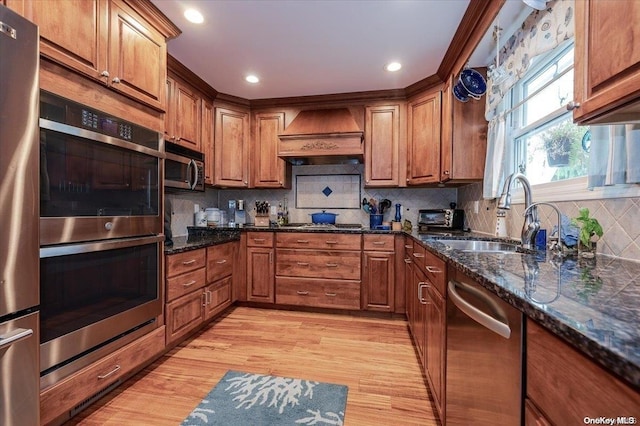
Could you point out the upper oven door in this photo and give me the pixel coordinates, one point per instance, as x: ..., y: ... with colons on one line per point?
x: 94, y: 186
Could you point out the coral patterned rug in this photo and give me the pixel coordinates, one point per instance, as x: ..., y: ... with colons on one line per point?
x: 254, y: 399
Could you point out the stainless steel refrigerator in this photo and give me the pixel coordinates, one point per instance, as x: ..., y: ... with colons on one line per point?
x: 19, y: 220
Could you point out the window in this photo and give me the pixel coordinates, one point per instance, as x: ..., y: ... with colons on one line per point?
x: 547, y: 146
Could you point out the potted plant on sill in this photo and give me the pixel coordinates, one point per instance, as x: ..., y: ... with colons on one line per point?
x: 559, y: 142
x: 590, y: 233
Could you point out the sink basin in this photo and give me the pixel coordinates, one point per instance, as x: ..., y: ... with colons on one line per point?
x: 479, y: 246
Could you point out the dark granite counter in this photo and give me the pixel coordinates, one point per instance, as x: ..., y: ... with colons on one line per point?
x: 594, y: 304
x: 200, y: 238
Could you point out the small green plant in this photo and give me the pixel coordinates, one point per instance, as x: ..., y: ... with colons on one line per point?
x: 589, y: 226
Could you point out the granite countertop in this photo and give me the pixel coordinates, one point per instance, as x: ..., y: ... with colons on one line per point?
x: 592, y: 304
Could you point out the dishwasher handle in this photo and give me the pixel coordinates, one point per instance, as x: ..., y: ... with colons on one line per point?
x: 474, y: 313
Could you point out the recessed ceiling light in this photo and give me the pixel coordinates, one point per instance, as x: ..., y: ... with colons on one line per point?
x: 393, y: 66
x: 252, y: 79
x: 194, y: 16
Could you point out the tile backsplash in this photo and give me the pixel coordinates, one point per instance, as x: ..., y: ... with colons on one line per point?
x: 618, y: 217
x: 335, y: 177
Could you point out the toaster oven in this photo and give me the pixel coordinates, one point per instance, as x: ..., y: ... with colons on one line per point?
x: 449, y: 219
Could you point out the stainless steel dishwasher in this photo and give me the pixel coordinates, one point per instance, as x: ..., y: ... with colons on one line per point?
x: 484, y: 357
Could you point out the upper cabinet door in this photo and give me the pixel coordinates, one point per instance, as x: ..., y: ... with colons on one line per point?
x: 607, y: 61
x: 464, y: 138
x: 72, y: 32
x: 137, y: 57
x: 231, y: 148
x: 381, y: 145
x: 269, y: 171
x: 423, y: 139
x: 187, y: 115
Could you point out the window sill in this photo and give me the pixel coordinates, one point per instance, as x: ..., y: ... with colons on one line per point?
x: 575, y: 190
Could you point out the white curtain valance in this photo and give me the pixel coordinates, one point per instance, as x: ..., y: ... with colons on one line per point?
x: 542, y: 31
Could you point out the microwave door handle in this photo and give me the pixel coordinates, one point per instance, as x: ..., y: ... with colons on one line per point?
x: 192, y: 171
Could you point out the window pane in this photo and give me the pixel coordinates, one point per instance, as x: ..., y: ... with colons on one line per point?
x: 554, y: 152
x: 554, y: 96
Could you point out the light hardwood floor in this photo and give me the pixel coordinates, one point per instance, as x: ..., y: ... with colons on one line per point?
x: 374, y: 357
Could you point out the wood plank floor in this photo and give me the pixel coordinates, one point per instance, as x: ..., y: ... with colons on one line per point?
x: 374, y: 357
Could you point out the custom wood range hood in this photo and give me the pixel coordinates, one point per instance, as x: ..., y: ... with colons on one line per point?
x: 322, y: 136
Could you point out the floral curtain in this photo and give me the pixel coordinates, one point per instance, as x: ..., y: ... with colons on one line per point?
x: 541, y: 31
x: 614, y: 156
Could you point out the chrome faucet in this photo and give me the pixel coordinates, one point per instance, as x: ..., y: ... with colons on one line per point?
x: 557, y: 247
x: 531, y: 223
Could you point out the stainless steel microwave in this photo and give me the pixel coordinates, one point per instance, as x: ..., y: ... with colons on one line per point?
x: 441, y: 218
x: 183, y: 168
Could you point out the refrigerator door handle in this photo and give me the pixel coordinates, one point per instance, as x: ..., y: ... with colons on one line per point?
x: 474, y: 313
x: 14, y: 336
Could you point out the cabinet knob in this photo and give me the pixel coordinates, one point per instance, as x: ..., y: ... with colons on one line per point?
x: 116, y: 80
x: 245, y: 182
x: 104, y: 73
x: 446, y: 172
x: 573, y: 105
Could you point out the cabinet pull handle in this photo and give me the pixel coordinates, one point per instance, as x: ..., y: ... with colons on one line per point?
x: 189, y: 284
x: 303, y: 241
x: 115, y: 80
x: 433, y: 269
x: 259, y: 240
x: 332, y: 265
x: 189, y: 262
x: 418, y: 255
x: 303, y: 263
x: 204, y: 299
x: 422, y: 285
x: 408, y: 246
x: 209, y: 297
x: 104, y: 376
x: 379, y: 243
x: 220, y: 262
x: 331, y: 242
x: 407, y: 260
x: 302, y: 293
x: 330, y: 294
x: 105, y: 74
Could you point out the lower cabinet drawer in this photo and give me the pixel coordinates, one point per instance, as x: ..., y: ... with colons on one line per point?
x: 339, y: 294
x: 318, y: 264
x: 186, y: 283
x: 68, y: 393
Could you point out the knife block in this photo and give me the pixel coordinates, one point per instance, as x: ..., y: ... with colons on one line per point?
x: 262, y: 220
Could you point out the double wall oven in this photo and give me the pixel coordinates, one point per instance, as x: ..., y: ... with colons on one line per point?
x: 101, y: 242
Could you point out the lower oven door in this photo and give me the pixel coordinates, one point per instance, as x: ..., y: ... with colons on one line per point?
x: 95, y: 294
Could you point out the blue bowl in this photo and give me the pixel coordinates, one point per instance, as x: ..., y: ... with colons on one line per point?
x: 473, y: 82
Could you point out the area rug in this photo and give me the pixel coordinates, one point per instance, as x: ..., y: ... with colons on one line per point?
x: 245, y: 399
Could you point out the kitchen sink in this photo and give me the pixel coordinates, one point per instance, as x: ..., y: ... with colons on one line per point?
x: 479, y: 246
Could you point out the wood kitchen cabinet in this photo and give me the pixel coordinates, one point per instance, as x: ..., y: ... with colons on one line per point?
x: 464, y: 138
x: 318, y: 269
x: 198, y: 287
x: 183, y: 120
x: 382, y: 146
x: 378, y: 277
x: 564, y: 387
x: 119, y: 43
x: 260, y: 267
x: 267, y: 169
x: 207, y: 140
x: 423, y: 138
x: 231, y: 143
x: 606, y: 62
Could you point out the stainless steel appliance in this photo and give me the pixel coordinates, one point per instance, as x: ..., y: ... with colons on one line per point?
x: 19, y: 273
x: 101, y: 241
x: 184, y: 168
x: 100, y: 175
x: 484, y: 357
x: 440, y: 219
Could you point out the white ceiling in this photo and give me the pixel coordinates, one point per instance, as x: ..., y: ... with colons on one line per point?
x: 312, y: 47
